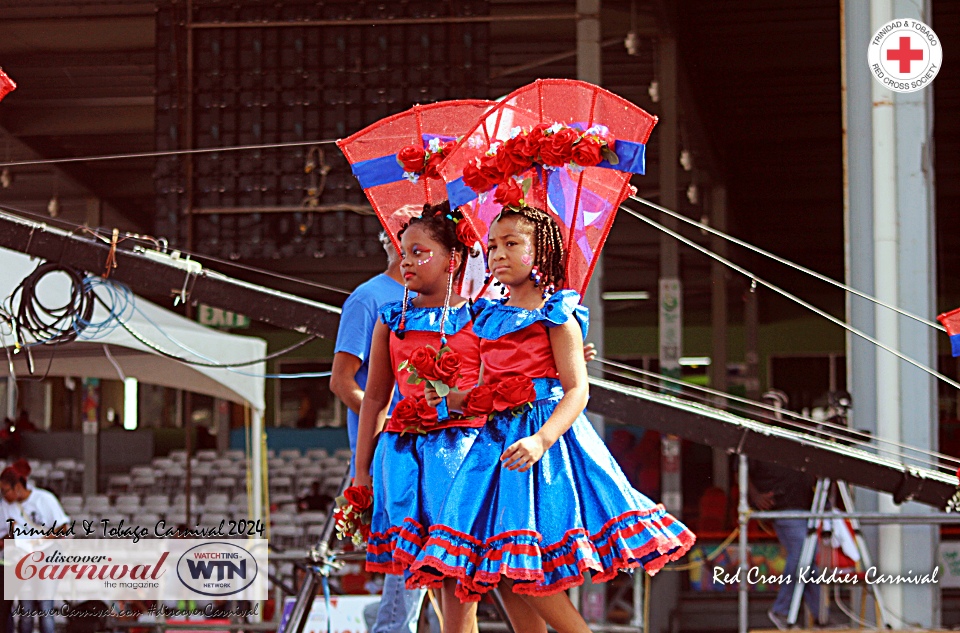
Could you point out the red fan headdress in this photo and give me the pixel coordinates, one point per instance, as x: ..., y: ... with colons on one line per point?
x: 565, y: 146
x: 7, y: 85
x: 396, y: 158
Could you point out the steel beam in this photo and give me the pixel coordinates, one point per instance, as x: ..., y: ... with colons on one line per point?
x: 160, y: 276
x: 793, y: 449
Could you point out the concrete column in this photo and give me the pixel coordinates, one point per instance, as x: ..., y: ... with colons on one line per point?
x: 858, y: 232
x: 913, y: 113
x: 890, y: 252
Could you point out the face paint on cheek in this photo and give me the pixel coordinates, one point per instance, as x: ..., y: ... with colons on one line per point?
x: 423, y: 262
x: 527, y: 258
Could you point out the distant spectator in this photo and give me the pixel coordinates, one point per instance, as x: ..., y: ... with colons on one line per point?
x: 316, y: 500
x: 38, y: 509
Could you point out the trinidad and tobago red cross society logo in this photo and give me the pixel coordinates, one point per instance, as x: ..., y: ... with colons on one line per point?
x: 905, y: 55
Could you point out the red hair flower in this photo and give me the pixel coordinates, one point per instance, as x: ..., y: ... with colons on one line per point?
x: 466, y: 234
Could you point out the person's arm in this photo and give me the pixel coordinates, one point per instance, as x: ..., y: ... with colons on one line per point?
x: 343, y: 380
x: 376, y: 402
x: 566, y: 341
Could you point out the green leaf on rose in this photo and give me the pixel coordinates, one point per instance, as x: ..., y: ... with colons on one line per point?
x: 403, y: 365
x: 441, y: 388
x: 413, y: 379
x: 610, y: 156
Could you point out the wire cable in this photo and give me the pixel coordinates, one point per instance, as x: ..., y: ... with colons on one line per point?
x: 758, y: 280
x: 174, y: 152
x: 756, y: 249
x: 820, y: 428
x: 36, y: 323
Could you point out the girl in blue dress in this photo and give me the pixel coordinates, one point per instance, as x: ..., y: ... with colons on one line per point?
x: 538, y: 499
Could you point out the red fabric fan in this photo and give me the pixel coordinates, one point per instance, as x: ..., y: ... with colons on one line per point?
x: 7, y: 85
x: 565, y: 146
x: 396, y: 158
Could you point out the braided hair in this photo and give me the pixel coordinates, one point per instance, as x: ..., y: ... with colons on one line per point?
x: 441, y: 223
x: 550, y: 257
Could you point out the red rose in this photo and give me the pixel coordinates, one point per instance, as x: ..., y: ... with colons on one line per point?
x: 427, y: 415
x: 535, y: 135
x: 405, y: 413
x: 557, y: 150
x: 364, y: 530
x: 479, y: 401
x: 411, y: 158
x: 474, y: 178
x: 512, y: 157
x: 528, y: 147
x: 447, y: 147
x: 490, y: 170
x: 587, y: 153
x: 465, y: 232
x: 513, y: 392
x: 360, y: 497
x: 430, y: 168
x: 448, y: 366
x: 423, y: 360
x: 509, y: 194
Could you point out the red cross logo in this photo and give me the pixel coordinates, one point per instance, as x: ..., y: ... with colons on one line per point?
x: 905, y: 55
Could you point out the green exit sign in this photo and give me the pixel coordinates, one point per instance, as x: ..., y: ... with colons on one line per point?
x: 215, y: 317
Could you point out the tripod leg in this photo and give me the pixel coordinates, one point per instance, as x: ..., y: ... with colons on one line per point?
x: 808, y: 551
x: 847, y: 502
x: 308, y: 591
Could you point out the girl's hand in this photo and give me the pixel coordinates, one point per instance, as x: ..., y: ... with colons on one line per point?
x: 430, y: 395
x: 362, y: 479
x: 523, y: 454
x: 589, y: 352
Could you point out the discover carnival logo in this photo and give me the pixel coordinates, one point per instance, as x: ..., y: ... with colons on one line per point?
x: 905, y: 55
x: 217, y: 569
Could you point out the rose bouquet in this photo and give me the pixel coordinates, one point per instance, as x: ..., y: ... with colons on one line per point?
x: 354, y: 509
x: 440, y: 369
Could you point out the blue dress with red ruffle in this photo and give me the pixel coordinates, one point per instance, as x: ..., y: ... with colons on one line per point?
x: 411, y: 470
x: 573, y: 511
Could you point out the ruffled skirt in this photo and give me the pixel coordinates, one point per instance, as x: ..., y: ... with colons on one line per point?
x: 573, y: 511
x: 411, y: 476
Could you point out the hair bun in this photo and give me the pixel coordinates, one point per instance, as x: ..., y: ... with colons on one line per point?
x: 21, y: 467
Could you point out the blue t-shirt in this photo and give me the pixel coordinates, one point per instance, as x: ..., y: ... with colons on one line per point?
x: 359, y: 316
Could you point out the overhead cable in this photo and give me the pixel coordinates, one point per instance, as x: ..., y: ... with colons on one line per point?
x: 786, y: 262
x: 757, y: 280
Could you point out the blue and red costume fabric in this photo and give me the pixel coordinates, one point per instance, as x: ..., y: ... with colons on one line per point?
x: 951, y: 321
x: 573, y: 511
x: 411, y: 471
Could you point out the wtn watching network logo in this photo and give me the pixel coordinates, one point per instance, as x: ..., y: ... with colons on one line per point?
x: 217, y: 569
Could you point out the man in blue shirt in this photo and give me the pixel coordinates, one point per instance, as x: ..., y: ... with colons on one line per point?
x: 399, y: 607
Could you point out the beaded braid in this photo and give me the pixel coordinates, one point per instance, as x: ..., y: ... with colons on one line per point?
x: 550, y: 260
x: 441, y: 222
x: 446, y: 301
